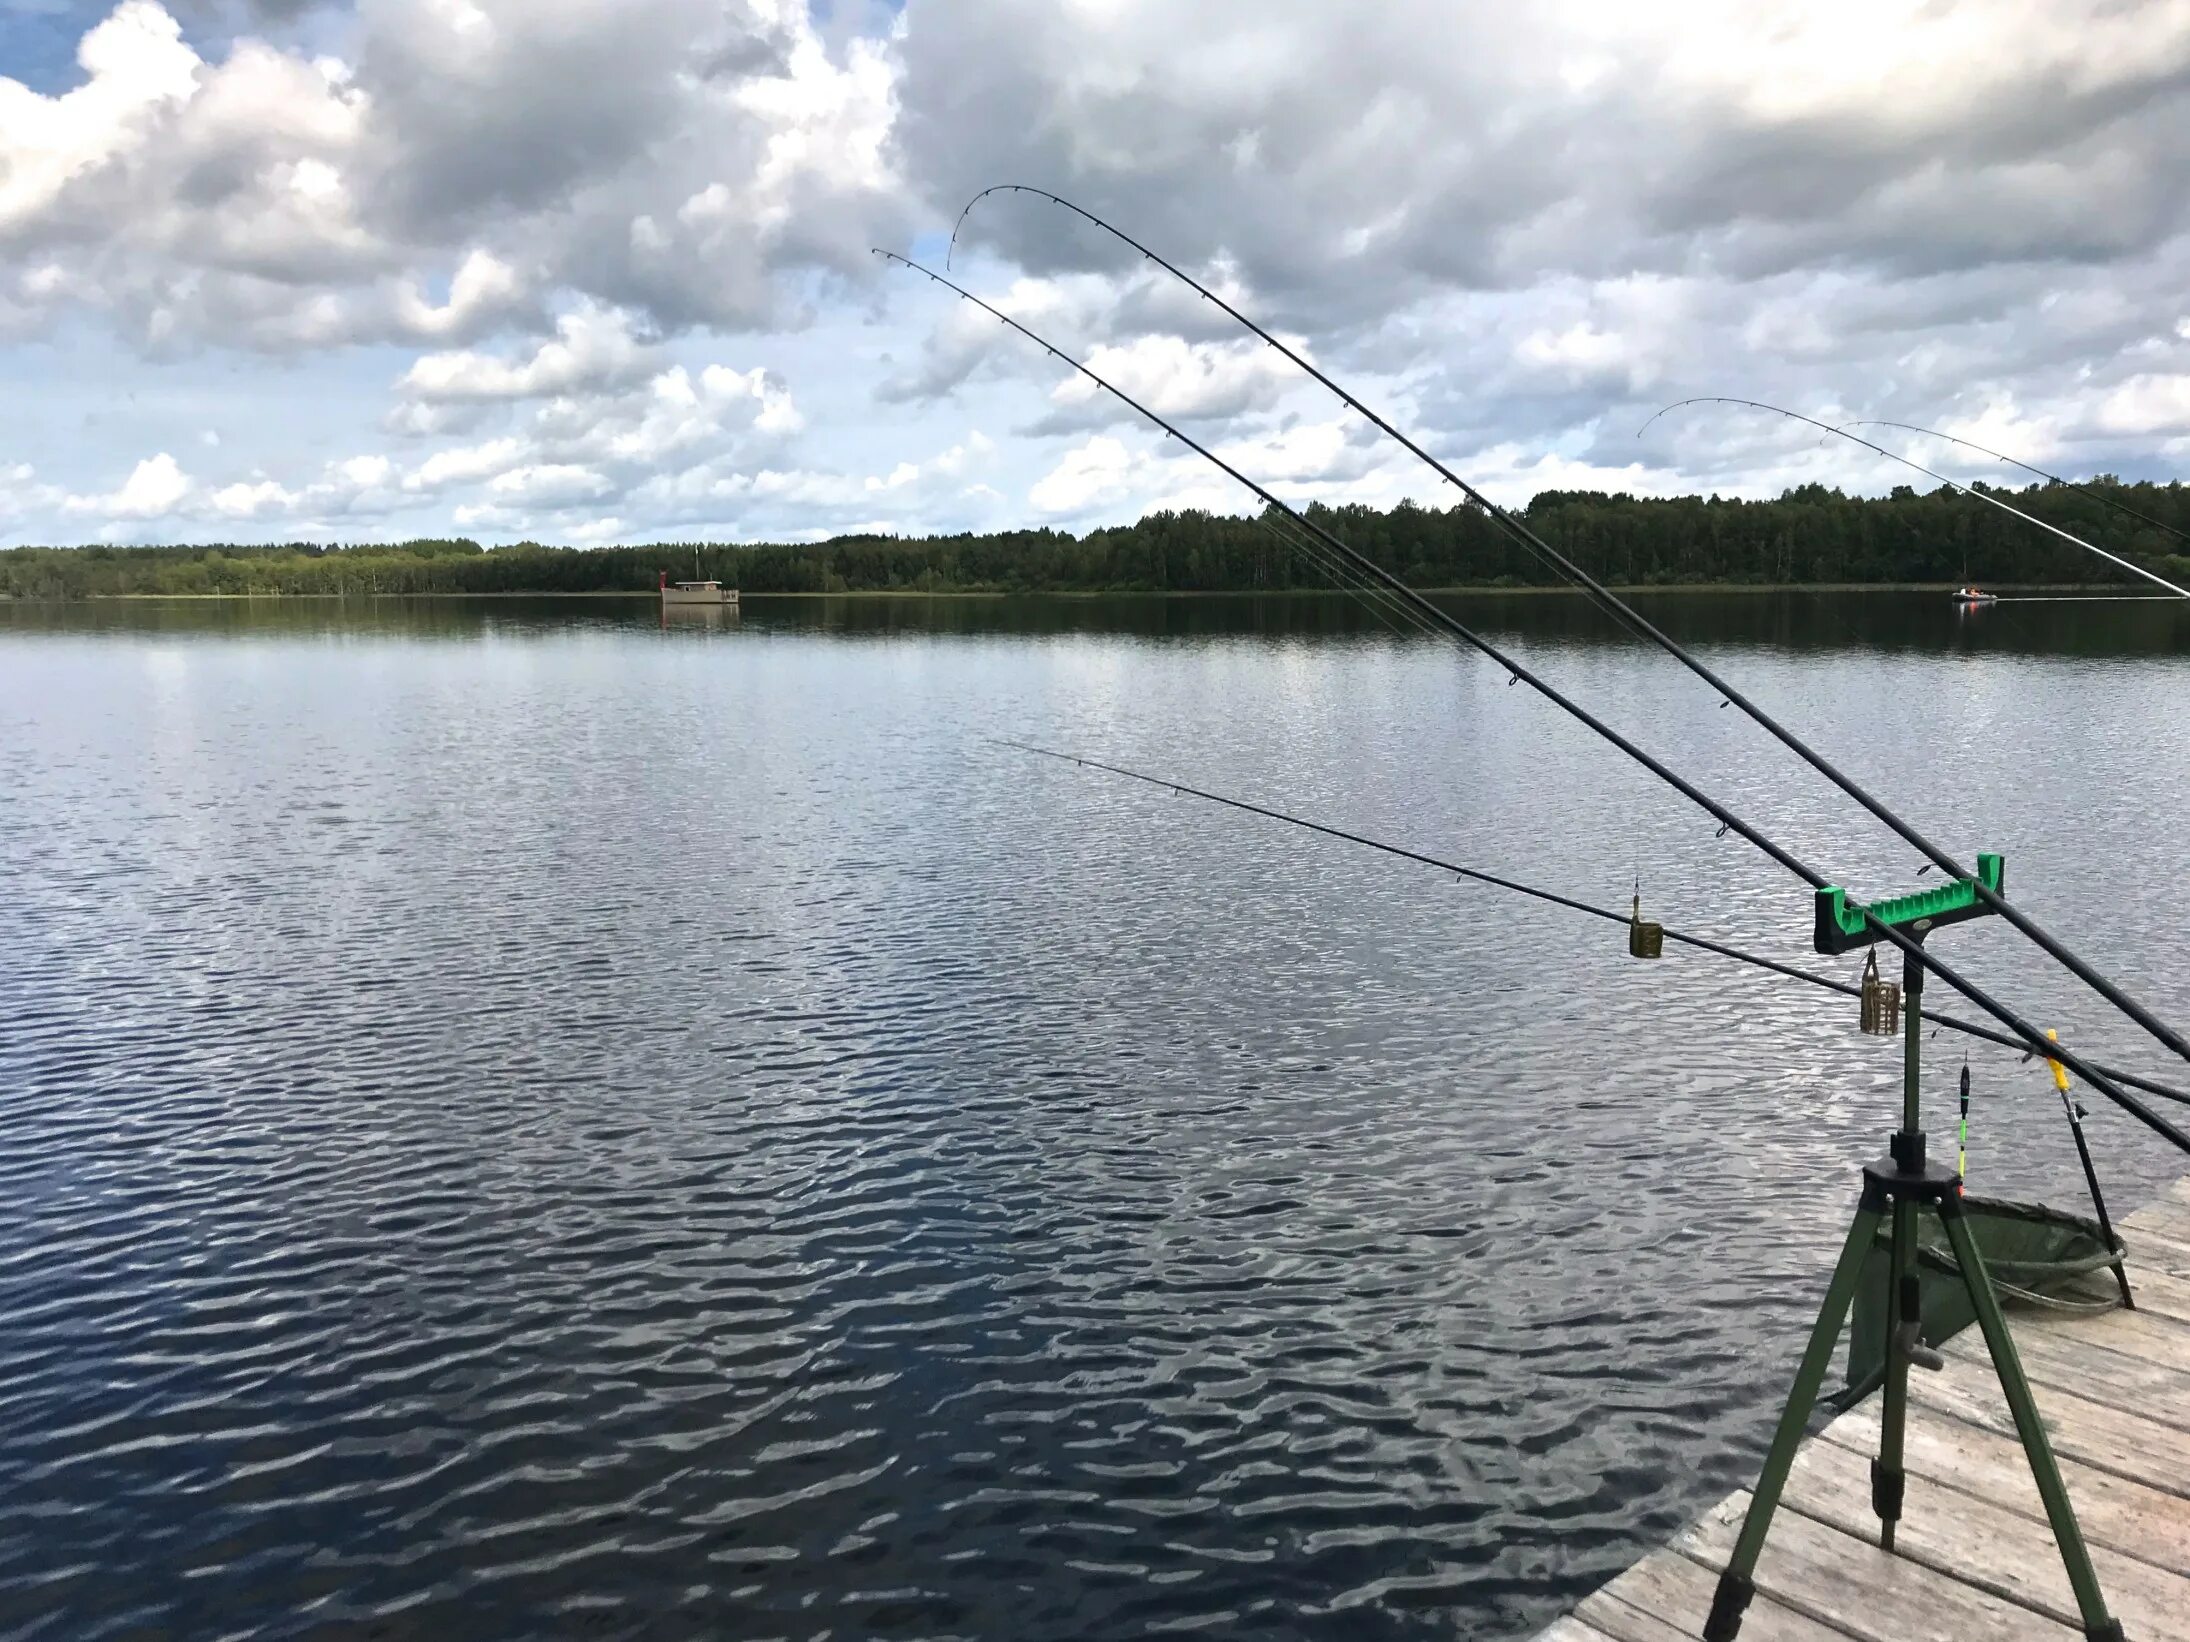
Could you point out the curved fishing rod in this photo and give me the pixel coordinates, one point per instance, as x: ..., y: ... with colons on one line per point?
x: 1535, y: 545
x: 1629, y: 617
x: 1911, y: 946
x: 1952, y: 484
x: 1952, y: 1023
x: 2016, y: 461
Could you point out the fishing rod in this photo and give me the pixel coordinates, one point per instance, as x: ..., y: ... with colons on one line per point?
x: 1376, y: 600
x: 1952, y: 484
x: 2075, y: 1111
x: 2015, y: 461
x: 1633, y: 620
x: 1536, y: 892
x: 1517, y: 673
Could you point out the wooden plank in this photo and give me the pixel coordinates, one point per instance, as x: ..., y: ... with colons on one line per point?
x: 1982, y: 1544
x: 2174, y: 1195
x: 2167, y: 1215
x: 2124, y: 1516
x: 1635, y: 1608
x: 2151, y: 1240
x: 1978, y: 1560
x: 1665, y: 1597
x: 2093, y: 1433
x: 2168, y: 1225
x: 2123, y: 1360
x: 1843, y: 1582
x: 2155, y: 1249
x: 1573, y: 1630
x: 2133, y: 1384
x: 2145, y: 1332
x: 2168, y: 1206
x: 1641, y: 1605
x: 2157, y: 1291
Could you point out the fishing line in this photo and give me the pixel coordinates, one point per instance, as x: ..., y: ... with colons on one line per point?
x: 1626, y: 614
x: 1376, y: 600
x: 2014, y: 461
x: 1911, y: 946
x: 1536, y: 892
x: 1952, y: 484
x: 1371, y: 598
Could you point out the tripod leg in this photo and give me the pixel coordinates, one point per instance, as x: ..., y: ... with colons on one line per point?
x: 1888, y: 1481
x: 2037, y: 1447
x: 1738, y: 1583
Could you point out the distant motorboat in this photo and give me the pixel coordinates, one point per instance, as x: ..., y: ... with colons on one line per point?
x: 711, y: 594
x: 1962, y: 595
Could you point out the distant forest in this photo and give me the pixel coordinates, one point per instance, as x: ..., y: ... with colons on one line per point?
x: 1812, y: 535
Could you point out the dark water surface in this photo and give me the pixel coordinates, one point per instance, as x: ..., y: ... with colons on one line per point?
x: 516, y: 1122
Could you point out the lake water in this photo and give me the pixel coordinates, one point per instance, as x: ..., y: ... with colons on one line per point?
x: 522, y: 1122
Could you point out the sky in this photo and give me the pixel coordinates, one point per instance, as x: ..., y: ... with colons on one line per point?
x: 599, y: 271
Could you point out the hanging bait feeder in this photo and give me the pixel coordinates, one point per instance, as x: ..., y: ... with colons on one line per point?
x: 1644, y: 940
x: 1881, y: 1000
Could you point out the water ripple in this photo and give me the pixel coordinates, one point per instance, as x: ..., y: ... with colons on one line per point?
x: 600, y: 1133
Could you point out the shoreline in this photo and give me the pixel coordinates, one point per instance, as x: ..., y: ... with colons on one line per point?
x: 1684, y: 589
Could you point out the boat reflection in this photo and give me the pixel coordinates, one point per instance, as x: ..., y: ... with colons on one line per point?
x: 686, y: 617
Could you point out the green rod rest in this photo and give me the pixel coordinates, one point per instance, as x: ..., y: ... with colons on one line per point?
x: 1844, y: 925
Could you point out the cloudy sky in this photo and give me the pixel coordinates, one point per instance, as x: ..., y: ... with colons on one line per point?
x: 598, y: 270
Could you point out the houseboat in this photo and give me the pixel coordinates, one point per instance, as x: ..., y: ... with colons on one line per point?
x: 712, y: 594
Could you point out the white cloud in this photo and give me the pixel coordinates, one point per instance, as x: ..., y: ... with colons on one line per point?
x: 137, y: 69
x: 155, y: 486
x: 170, y: 187
x: 484, y: 288
x: 1752, y: 136
x: 2146, y: 405
x: 548, y: 484
x: 595, y: 532
x: 1580, y: 352
x: 1178, y: 379
x: 464, y: 464
x: 365, y: 472
x: 1510, y: 475
x: 2000, y: 425
x: 774, y: 411
x: 1094, y: 471
x: 593, y: 347
x: 273, y: 200
x: 977, y: 447
x: 1307, y: 451
x: 679, y: 436
x: 247, y: 501
x: 596, y: 243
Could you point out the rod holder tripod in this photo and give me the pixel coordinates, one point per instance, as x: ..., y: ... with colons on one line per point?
x: 1897, y: 1186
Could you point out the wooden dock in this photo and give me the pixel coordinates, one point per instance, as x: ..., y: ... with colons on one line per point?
x: 1976, y: 1561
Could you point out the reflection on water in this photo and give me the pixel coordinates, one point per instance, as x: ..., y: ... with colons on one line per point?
x: 704, y: 618
x: 521, y: 1122
x: 2094, y: 625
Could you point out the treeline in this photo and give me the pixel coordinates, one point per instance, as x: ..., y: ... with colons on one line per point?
x: 1808, y: 536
